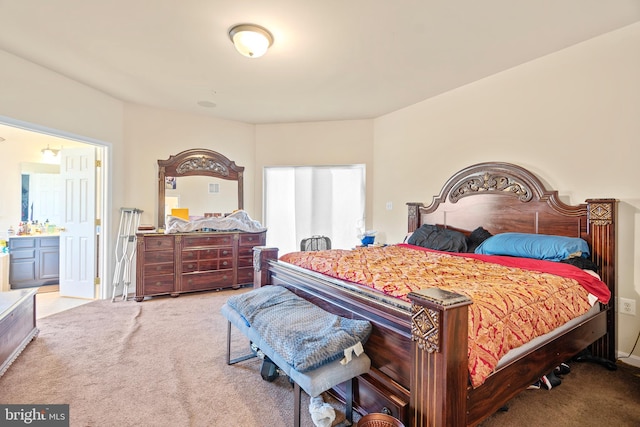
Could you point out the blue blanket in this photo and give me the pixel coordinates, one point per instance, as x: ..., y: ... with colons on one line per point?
x: 303, y: 334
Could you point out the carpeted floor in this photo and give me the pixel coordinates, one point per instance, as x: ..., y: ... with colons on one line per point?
x: 162, y: 363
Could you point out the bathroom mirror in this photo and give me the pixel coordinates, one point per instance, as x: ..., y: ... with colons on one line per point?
x: 41, y: 197
x: 200, y: 180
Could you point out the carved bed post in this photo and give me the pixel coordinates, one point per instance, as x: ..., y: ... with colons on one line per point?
x: 440, y: 372
x: 261, y: 257
x: 414, y: 215
x: 602, y: 214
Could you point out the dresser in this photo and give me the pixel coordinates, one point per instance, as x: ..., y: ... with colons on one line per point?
x: 200, y: 261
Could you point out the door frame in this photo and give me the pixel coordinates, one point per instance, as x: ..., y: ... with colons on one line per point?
x: 103, y: 176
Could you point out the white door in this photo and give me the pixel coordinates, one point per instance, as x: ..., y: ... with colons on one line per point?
x: 78, y: 234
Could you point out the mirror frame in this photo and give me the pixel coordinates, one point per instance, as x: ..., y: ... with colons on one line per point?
x: 197, y: 162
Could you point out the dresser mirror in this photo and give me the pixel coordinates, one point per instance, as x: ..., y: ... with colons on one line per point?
x: 202, y: 181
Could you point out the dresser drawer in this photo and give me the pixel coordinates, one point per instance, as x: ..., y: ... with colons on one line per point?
x: 206, y: 265
x: 245, y: 275
x: 245, y: 251
x: 155, y: 257
x: 245, y: 262
x: 208, y: 240
x: 158, y: 269
x: 158, y: 284
x: 158, y: 243
x: 207, y: 254
x: 252, y: 239
x: 208, y: 280
x: 201, y: 254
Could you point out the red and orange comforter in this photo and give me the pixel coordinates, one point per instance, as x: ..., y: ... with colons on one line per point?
x: 514, y: 299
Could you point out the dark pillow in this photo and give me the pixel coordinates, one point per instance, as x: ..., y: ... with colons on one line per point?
x: 476, y: 237
x: 440, y: 239
x: 583, y: 263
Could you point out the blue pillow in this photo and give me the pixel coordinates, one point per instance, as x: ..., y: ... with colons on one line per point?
x: 537, y: 246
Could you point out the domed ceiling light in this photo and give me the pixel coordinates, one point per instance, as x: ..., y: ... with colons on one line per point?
x: 251, y: 40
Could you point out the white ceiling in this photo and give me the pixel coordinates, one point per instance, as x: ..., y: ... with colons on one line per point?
x: 331, y: 59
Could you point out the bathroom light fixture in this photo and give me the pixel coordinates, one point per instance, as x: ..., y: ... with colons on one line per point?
x: 251, y: 40
x: 50, y: 152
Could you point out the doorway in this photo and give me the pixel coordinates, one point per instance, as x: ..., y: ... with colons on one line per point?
x: 39, y: 137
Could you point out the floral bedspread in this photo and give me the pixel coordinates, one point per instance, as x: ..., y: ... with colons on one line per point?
x: 511, y: 305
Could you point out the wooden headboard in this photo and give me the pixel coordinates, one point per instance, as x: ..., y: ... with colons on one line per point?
x: 503, y: 197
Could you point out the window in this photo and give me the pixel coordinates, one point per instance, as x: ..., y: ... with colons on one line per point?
x: 304, y: 201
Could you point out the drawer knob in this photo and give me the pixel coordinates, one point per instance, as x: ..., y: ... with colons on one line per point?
x: 386, y: 411
x: 190, y: 265
x: 225, y: 263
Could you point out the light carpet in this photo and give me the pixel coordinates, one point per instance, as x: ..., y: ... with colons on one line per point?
x: 160, y: 362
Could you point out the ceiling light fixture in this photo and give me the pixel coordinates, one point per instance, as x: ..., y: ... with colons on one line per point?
x: 251, y: 40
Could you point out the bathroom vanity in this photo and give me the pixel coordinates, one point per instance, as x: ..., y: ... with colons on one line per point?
x: 34, y: 260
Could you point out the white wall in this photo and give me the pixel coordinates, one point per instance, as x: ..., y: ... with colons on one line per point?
x: 571, y: 117
x: 152, y: 134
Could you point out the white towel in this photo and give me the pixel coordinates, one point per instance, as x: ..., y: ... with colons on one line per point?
x: 322, y: 414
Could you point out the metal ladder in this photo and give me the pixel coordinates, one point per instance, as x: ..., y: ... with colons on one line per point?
x: 125, y: 249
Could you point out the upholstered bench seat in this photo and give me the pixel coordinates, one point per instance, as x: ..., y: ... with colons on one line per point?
x: 319, y: 377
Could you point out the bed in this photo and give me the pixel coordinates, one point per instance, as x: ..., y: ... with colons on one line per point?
x: 419, y: 345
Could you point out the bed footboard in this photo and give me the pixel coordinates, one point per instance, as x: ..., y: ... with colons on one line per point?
x: 439, y: 373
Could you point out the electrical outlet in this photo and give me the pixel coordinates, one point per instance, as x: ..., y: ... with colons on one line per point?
x: 627, y: 306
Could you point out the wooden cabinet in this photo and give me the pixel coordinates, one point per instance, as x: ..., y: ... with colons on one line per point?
x: 188, y: 262
x: 34, y: 261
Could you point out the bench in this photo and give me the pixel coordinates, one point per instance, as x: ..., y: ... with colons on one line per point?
x: 287, y: 329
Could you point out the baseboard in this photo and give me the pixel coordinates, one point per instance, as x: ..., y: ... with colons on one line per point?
x: 629, y: 360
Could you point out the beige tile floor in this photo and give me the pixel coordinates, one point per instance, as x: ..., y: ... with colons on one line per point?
x: 48, y: 303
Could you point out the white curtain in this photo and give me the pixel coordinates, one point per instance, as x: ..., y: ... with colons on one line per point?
x: 304, y: 201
